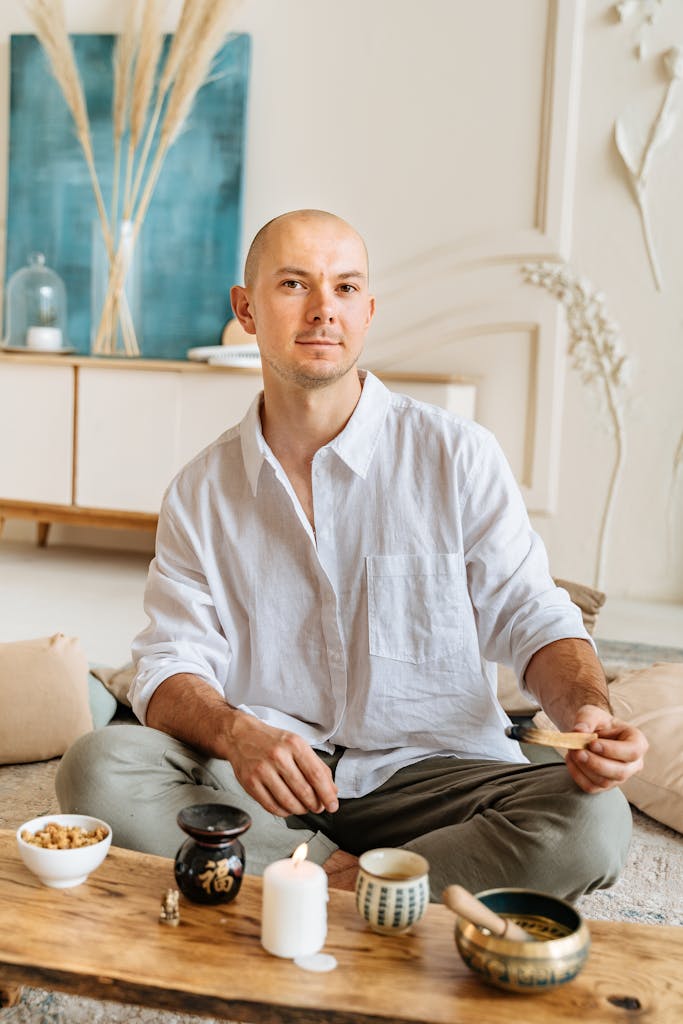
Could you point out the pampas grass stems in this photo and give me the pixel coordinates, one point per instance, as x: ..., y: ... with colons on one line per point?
x: 123, y: 63
x: 50, y: 25
x: 201, y: 31
x: 191, y: 18
x: 195, y: 67
x: 206, y: 30
x: 151, y: 41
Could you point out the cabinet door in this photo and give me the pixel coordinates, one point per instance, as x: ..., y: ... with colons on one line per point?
x: 210, y: 404
x: 127, y: 437
x: 36, y: 432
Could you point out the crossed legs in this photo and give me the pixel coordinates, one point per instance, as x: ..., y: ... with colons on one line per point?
x: 482, y: 824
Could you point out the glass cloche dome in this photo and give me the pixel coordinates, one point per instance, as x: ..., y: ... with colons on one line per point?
x: 35, y: 304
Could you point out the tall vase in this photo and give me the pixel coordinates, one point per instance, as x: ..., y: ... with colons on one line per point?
x: 119, y: 333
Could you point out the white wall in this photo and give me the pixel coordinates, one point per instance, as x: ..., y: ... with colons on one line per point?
x: 445, y: 133
x: 608, y: 247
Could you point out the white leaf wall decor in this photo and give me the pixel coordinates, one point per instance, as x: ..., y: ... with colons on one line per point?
x: 638, y: 158
x: 596, y: 352
x: 644, y: 12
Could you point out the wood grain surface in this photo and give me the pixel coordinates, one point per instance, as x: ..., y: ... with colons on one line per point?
x: 103, y: 940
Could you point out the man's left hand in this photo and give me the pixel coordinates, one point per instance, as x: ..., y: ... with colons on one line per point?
x: 612, y: 758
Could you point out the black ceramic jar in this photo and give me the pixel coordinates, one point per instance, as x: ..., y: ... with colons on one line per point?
x: 209, y: 865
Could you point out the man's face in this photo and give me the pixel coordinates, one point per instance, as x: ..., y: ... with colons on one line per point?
x: 309, y: 304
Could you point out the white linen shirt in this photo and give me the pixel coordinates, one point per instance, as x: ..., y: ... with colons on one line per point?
x: 379, y: 631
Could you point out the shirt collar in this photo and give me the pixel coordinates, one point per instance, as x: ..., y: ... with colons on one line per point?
x: 355, y: 445
x: 254, y: 447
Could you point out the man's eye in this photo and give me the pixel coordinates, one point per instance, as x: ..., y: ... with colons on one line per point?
x: 347, y: 288
x: 292, y: 284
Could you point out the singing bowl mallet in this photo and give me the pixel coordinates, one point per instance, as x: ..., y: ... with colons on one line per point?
x: 468, y: 906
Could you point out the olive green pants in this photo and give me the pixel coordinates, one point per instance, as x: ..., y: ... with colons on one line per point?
x: 481, y: 824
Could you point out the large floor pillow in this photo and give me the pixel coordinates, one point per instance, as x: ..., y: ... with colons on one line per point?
x: 652, y: 699
x: 44, y: 698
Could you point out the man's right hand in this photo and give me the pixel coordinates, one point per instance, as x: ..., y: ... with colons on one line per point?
x: 279, y: 769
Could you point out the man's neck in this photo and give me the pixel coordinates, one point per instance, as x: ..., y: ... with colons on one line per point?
x: 297, y: 421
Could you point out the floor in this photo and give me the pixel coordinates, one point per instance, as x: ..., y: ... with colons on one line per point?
x: 96, y: 595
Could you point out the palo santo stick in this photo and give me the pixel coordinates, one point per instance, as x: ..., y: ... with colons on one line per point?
x: 549, y: 738
x: 468, y: 906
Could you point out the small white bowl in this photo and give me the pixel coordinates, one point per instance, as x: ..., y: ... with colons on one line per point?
x: 61, y: 869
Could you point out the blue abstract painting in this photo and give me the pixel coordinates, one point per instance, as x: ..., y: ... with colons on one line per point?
x: 189, y: 244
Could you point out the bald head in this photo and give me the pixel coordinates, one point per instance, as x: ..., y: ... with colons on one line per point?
x: 312, y: 217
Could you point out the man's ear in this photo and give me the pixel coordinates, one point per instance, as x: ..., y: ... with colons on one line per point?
x: 371, y: 310
x: 241, y: 308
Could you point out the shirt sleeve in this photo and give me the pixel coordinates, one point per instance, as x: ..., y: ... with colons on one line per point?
x: 517, y: 606
x: 183, y: 633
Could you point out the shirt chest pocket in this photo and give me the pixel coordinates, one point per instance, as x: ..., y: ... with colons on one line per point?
x: 416, y: 606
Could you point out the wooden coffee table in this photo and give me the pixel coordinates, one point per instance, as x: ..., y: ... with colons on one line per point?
x: 103, y: 940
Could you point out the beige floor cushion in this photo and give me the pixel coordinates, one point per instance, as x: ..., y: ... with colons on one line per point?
x: 117, y: 680
x: 652, y: 699
x: 44, y: 698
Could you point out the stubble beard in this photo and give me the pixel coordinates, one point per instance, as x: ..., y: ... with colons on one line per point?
x: 322, y: 376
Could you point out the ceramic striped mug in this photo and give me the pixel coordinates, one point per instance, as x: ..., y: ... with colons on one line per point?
x: 392, y: 889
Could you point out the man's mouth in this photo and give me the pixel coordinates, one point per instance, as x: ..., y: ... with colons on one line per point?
x: 318, y: 339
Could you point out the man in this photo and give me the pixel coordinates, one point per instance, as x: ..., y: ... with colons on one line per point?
x: 334, y: 580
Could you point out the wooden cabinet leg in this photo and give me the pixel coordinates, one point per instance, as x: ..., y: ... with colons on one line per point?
x: 9, y: 995
x: 43, y: 530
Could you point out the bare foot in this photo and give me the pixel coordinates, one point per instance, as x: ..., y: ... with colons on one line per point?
x: 341, y: 869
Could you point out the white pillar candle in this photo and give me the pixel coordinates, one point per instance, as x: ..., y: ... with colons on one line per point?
x: 294, y: 909
x: 48, y: 339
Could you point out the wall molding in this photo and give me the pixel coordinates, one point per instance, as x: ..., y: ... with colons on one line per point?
x: 474, y: 287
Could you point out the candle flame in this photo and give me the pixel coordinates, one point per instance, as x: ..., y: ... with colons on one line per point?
x: 300, y: 853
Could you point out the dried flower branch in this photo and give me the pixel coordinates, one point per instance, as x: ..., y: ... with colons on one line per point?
x: 123, y: 63
x: 209, y: 30
x: 49, y: 22
x: 195, y: 66
x: 184, y: 36
x: 202, y: 29
x: 639, y: 164
x: 151, y: 41
x: 595, y: 348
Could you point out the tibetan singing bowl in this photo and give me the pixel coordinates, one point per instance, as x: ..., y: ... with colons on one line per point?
x: 558, y: 954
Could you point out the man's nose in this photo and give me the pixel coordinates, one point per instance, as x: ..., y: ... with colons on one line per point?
x: 321, y: 308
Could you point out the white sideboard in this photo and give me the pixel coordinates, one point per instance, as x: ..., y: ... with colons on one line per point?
x: 36, y: 432
x: 96, y: 441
